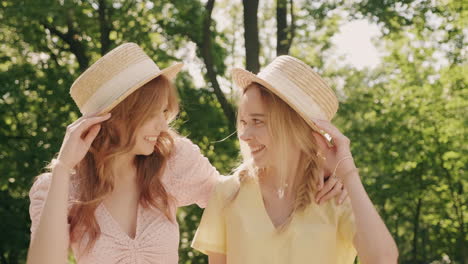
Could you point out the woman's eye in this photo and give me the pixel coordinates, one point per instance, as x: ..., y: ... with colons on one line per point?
x: 257, y: 121
x: 242, y: 122
x: 166, y: 111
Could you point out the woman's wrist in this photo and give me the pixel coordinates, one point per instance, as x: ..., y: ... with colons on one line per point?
x: 345, y: 168
x: 59, y: 164
x: 344, y: 165
x: 350, y: 176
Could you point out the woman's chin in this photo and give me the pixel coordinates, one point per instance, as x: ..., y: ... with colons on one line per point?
x: 149, y: 153
x: 145, y: 152
x: 260, y: 163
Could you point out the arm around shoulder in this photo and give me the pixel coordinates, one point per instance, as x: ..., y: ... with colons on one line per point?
x: 191, y: 177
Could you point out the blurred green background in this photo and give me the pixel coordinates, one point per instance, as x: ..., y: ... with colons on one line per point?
x: 406, y: 115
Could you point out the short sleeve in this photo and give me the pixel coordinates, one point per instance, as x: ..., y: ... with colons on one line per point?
x: 211, y: 233
x: 190, y: 177
x: 346, y: 224
x: 37, y: 196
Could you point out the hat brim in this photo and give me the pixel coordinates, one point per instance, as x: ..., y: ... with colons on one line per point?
x: 243, y: 78
x: 169, y: 72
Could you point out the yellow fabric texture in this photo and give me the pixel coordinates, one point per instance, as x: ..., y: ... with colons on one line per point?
x: 242, y: 230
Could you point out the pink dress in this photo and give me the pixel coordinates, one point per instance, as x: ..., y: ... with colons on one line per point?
x: 189, y: 178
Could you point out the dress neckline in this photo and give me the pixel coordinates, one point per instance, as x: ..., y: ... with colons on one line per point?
x: 261, y: 202
x: 118, y: 227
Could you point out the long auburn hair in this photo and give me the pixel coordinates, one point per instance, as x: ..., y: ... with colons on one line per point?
x: 94, y: 179
x: 286, y: 128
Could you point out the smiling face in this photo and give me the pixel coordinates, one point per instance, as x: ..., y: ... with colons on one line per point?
x: 275, y: 137
x: 148, y: 133
x: 139, y: 124
x: 252, y: 126
x: 272, y: 134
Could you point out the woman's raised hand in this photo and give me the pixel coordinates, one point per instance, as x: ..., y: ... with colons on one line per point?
x: 78, y: 138
x: 338, y: 159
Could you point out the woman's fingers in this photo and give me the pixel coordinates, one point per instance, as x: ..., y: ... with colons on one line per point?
x: 329, y: 184
x: 342, y: 143
x: 79, y: 137
x: 335, y: 190
x: 86, y: 123
x: 92, y: 133
x: 327, y: 126
x: 340, y: 198
x: 78, y: 121
x: 320, y: 182
x: 334, y: 132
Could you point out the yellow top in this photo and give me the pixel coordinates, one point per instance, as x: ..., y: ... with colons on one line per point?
x: 243, y: 231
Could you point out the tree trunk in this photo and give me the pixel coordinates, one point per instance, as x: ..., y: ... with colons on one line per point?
x: 252, y: 44
x: 207, y: 55
x: 105, y: 26
x: 281, y: 27
x: 284, y: 33
x: 416, y: 230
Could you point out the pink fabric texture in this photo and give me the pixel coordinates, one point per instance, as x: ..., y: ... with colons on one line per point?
x: 189, y: 177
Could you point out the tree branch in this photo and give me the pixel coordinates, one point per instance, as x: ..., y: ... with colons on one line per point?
x: 71, y: 38
x: 207, y: 55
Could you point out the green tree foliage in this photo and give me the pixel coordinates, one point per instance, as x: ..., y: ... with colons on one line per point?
x: 45, y: 46
x: 406, y: 118
x: 408, y: 124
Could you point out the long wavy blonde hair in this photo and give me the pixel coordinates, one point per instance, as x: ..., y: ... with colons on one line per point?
x: 94, y: 179
x: 286, y: 128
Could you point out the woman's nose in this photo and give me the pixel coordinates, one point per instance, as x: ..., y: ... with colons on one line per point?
x: 162, y: 124
x: 246, y: 134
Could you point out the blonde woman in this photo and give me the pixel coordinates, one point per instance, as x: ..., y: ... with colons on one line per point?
x: 113, y: 191
x: 266, y: 212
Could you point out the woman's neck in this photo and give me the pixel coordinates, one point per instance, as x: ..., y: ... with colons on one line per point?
x: 123, y: 167
x: 272, y: 178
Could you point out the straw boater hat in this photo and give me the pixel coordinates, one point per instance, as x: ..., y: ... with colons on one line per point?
x: 114, y: 77
x: 297, y: 84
